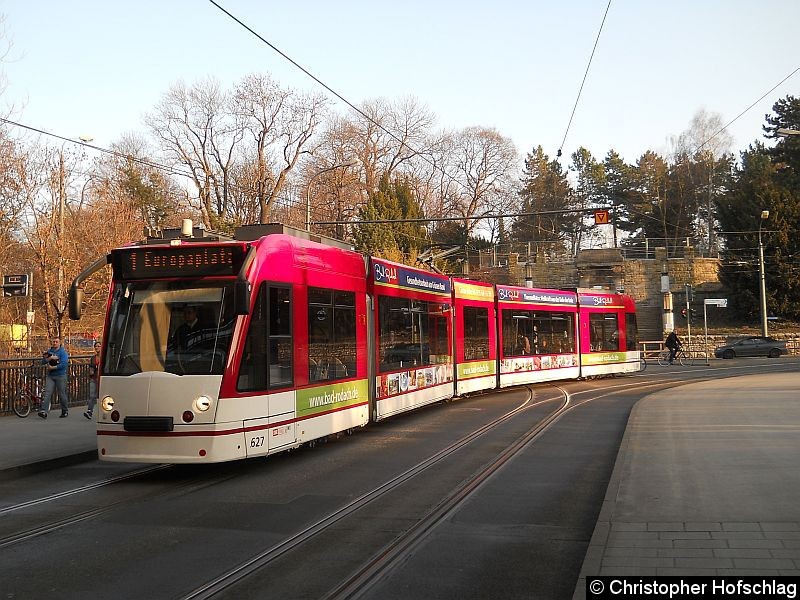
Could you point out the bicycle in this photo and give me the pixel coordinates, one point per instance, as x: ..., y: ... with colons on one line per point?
x: 29, y: 397
x: 683, y: 358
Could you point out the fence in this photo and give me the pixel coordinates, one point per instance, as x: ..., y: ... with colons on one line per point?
x: 12, y: 371
x: 699, y: 348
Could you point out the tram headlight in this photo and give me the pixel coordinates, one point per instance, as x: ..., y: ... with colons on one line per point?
x: 202, y: 403
x: 107, y: 403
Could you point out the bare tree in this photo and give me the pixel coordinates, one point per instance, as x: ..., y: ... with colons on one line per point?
x: 129, y: 177
x: 386, y: 141
x: 706, y: 143
x: 280, y: 124
x: 195, y: 131
x: 481, y: 167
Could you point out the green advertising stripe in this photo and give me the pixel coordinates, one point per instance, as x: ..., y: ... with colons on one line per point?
x: 476, y: 369
x: 326, y: 398
x: 602, y: 358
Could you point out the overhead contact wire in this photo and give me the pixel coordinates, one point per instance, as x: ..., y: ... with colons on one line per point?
x: 585, y: 75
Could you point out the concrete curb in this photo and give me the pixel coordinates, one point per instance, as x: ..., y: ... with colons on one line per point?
x: 591, y: 562
x: 17, y: 471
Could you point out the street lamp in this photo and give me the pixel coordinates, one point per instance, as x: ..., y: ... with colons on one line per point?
x: 764, y: 217
x: 310, y: 181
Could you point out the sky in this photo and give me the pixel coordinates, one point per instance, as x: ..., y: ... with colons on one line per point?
x: 96, y: 67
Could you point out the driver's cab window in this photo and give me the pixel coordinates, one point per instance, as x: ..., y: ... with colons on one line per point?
x: 180, y: 327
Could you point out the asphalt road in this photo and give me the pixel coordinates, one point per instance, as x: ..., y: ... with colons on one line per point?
x: 523, y: 533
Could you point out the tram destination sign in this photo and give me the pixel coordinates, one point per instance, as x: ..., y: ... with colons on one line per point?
x: 177, y: 261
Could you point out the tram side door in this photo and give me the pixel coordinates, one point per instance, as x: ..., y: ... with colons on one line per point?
x: 266, y: 368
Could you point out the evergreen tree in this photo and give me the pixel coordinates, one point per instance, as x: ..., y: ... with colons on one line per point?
x: 767, y: 179
x: 616, y: 193
x: 589, y: 193
x: 392, y: 201
x: 545, y: 188
x: 661, y: 203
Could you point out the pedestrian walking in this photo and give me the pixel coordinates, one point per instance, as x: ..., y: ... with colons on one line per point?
x: 56, y: 361
x: 94, y: 380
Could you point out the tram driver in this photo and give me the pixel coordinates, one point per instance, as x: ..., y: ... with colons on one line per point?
x: 185, y: 334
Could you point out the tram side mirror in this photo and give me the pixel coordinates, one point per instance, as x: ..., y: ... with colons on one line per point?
x: 241, y: 297
x: 75, y: 303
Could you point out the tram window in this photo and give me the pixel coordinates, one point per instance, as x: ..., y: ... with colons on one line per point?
x: 439, y: 339
x: 280, y: 337
x: 603, y: 332
x: 519, y: 335
x: 476, y: 333
x: 331, y: 334
x: 410, y: 332
x: 268, y: 347
x: 631, y: 332
x: 537, y: 332
x: 559, y: 329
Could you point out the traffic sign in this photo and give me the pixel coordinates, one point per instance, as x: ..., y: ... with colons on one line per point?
x: 601, y: 217
x: 15, y: 285
x: 721, y: 302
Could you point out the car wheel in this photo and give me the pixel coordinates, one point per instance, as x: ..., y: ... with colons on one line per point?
x: 728, y: 354
x: 774, y: 353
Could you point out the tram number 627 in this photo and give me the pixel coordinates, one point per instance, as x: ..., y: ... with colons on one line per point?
x: 257, y: 441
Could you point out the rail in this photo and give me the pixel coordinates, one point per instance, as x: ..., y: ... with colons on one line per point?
x: 651, y: 349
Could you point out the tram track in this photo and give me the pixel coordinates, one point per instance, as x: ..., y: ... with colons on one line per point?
x: 259, y: 561
x: 360, y: 583
x: 201, y: 482
x: 192, y: 484
x: 371, y: 565
x: 383, y: 561
x: 376, y: 567
x: 82, y: 489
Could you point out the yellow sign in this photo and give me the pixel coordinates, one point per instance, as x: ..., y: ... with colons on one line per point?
x: 16, y: 335
x: 468, y: 291
x: 601, y: 217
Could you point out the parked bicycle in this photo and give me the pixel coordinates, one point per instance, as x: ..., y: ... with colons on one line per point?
x: 682, y: 357
x: 29, y: 396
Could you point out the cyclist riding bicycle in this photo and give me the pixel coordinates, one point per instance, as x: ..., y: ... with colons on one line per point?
x: 673, y: 342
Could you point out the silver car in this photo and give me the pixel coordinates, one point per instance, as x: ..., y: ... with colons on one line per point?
x: 752, y: 346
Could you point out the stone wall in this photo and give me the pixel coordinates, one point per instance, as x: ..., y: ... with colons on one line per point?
x: 640, y: 278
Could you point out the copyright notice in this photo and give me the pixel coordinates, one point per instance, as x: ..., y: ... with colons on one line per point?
x: 690, y: 587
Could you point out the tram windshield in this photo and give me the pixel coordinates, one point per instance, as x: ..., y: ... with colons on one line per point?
x: 182, y: 327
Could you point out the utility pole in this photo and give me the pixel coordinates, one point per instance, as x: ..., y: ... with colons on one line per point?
x: 668, y: 318
x: 30, y: 316
x: 688, y: 288
x: 62, y: 192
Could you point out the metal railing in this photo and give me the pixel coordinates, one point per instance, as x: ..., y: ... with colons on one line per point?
x: 651, y: 349
x: 13, y: 370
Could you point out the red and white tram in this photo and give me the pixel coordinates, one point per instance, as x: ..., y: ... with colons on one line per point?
x: 220, y: 350
x: 608, y: 335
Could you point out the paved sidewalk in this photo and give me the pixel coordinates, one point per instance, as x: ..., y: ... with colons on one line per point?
x: 706, y: 483
x: 34, y: 443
